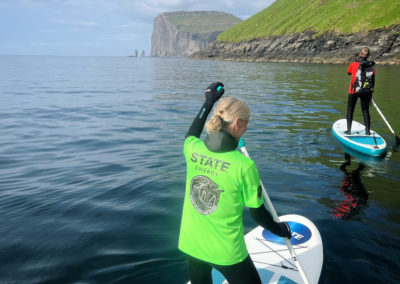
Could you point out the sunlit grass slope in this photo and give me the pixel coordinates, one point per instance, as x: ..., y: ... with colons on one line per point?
x: 292, y: 16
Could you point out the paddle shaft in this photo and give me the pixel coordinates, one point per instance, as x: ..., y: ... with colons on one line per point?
x: 396, y: 138
x: 276, y: 219
x: 383, y: 117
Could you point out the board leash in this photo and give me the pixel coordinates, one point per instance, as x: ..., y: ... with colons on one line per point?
x: 376, y: 143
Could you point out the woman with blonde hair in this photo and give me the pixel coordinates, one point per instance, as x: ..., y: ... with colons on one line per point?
x: 220, y: 183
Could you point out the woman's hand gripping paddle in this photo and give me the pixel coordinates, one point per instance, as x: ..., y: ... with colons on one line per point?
x: 276, y: 218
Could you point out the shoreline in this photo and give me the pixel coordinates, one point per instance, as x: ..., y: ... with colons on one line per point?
x: 311, y: 61
x: 307, y: 47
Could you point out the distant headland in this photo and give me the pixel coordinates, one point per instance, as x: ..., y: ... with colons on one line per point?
x: 182, y: 33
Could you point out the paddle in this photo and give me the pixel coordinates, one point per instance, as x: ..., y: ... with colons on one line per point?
x: 387, y: 123
x: 276, y: 219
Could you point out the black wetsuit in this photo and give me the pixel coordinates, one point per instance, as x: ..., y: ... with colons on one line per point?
x: 365, y: 98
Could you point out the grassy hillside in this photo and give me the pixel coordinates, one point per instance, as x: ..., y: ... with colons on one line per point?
x: 291, y: 16
x: 202, y: 22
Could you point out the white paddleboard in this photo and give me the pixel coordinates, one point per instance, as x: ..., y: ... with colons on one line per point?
x: 272, y: 257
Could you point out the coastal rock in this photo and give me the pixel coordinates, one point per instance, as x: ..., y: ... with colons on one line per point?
x: 183, y: 33
x: 309, y: 47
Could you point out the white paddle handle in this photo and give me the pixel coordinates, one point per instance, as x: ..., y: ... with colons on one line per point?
x: 276, y: 219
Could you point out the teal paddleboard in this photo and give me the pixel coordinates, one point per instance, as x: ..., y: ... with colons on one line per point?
x: 373, y: 144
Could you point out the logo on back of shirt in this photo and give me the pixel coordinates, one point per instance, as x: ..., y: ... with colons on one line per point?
x: 204, y: 194
x: 210, y: 165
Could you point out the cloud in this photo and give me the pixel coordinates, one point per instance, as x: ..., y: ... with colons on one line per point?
x: 77, y: 23
x: 149, y: 9
x: 64, y: 44
x: 154, y: 5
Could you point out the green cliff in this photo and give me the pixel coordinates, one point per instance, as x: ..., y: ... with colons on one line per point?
x: 319, y: 31
x: 320, y: 16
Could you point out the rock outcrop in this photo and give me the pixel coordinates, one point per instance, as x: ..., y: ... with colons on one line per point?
x: 307, y: 47
x: 182, y: 33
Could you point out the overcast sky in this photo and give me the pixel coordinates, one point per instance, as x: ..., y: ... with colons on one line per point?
x: 96, y: 27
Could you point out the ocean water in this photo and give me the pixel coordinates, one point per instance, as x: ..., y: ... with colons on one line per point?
x: 92, y: 173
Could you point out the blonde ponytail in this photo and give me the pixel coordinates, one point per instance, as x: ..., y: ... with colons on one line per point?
x: 227, y: 110
x: 214, y: 124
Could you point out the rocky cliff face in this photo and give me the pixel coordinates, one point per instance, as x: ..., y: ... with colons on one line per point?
x: 183, y: 33
x: 306, y: 47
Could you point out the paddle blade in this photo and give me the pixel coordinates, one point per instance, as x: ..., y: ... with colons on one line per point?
x: 397, y: 140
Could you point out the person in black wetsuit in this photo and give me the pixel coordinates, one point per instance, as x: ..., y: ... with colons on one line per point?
x: 365, y: 95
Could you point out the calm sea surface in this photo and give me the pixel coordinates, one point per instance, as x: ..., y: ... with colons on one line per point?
x: 92, y: 173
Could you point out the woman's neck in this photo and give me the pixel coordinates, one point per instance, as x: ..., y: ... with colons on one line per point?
x: 222, y: 141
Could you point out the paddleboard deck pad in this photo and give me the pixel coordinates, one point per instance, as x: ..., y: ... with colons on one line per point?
x: 272, y: 258
x: 373, y: 144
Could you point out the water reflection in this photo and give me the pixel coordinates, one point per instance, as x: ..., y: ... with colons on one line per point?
x: 356, y: 196
x: 363, y: 157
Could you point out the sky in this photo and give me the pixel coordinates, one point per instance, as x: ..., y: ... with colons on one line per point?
x: 96, y: 27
